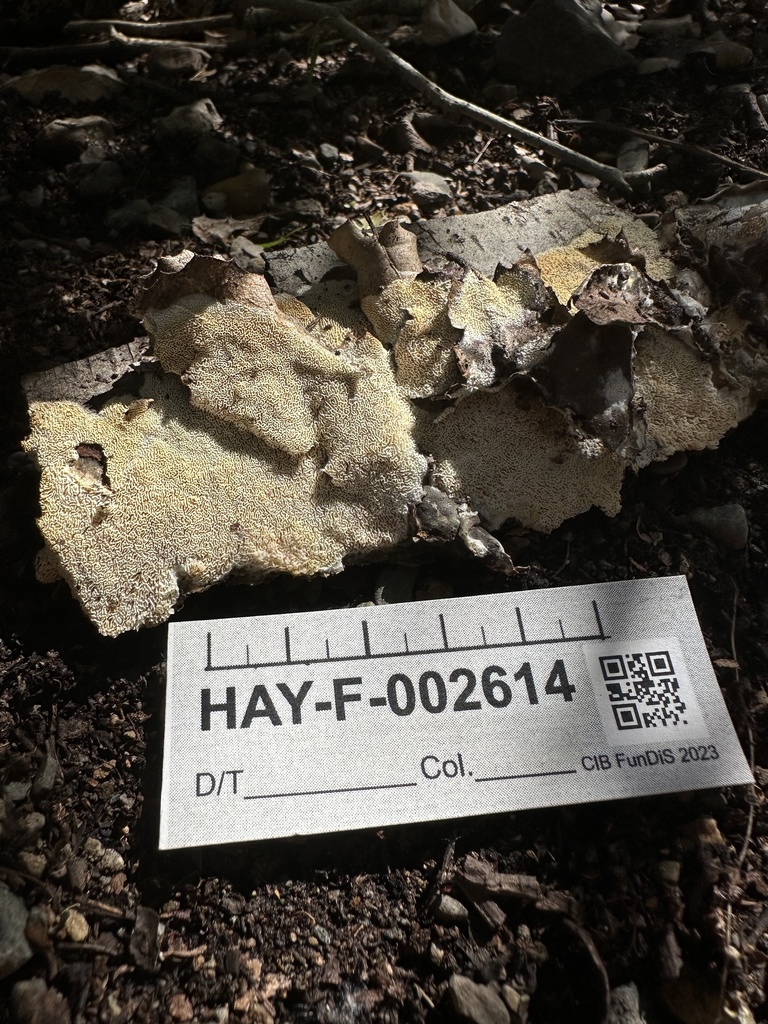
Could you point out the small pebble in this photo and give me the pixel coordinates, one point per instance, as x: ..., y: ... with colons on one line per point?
x: 38, y: 927
x: 624, y: 1006
x: 328, y: 154
x: 112, y: 861
x: 16, y: 791
x: 14, y: 948
x: 93, y: 848
x: 188, y: 123
x: 428, y: 189
x: 436, y: 955
x: 32, y: 1002
x: 32, y: 863
x: 727, y: 525
x: 32, y: 824
x: 669, y: 871
x: 321, y: 934
x: 476, y: 1003
x: 512, y: 998
x: 449, y: 911
x: 180, y: 1007
x: 75, y: 925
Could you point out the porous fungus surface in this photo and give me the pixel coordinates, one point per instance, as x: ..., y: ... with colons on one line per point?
x: 565, y: 267
x: 411, y: 317
x: 512, y: 457
x: 258, y: 369
x: 186, y: 498
x: 292, y: 435
x: 685, y: 408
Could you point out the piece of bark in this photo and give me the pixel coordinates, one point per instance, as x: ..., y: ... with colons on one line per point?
x: 481, y: 881
x: 151, y: 29
x: 85, y: 379
x: 479, y: 240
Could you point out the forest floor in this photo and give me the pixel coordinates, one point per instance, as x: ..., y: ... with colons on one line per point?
x: 668, y: 893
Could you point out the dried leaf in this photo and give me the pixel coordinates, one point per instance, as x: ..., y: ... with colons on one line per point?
x: 221, y: 232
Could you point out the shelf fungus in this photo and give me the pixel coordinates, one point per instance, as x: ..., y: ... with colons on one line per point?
x: 449, y: 387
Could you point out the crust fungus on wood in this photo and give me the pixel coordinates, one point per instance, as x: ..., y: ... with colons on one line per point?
x: 321, y: 470
x: 293, y: 432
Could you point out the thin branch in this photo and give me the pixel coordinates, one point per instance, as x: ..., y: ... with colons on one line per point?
x: 150, y: 29
x: 131, y: 45
x: 15, y: 58
x: 681, y: 147
x: 309, y: 10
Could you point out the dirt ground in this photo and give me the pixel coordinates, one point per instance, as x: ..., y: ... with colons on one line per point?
x: 669, y: 894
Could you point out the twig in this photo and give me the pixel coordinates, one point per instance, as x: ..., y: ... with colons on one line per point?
x: 682, y: 147
x: 131, y: 45
x: 309, y: 10
x: 150, y: 29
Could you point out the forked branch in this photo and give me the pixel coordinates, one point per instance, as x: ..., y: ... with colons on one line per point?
x: 309, y: 10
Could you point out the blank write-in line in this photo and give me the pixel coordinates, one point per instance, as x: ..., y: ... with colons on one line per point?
x: 325, y: 792
x: 532, y: 775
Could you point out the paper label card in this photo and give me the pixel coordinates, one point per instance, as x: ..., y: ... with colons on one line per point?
x: 364, y: 717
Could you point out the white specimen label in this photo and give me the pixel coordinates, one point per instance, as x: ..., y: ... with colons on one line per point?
x: 361, y: 717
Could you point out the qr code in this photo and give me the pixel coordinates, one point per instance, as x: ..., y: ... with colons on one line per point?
x: 643, y: 690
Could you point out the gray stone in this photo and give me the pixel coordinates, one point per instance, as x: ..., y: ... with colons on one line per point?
x: 15, y: 951
x: 69, y: 138
x: 182, y: 197
x: 247, y: 255
x: 308, y: 208
x: 321, y: 934
x: 624, y: 1006
x: 32, y: 1002
x: 558, y: 44
x: 33, y: 863
x: 92, y: 847
x: 46, y: 776
x: 517, y: 1002
x: 436, y: 955
x: 31, y: 825
x: 112, y: 861
x: 104, y: 180
x: 429, y: 189
x: 89, y: 84
x: 174, y: 61
x: 127, y: 216
x: 669, y: 871
x: 188, y: 123
x: 727, y: 525
x: 166, y: 222
x: 16, y: 791
x: 476, y: 1003
x: 328, y: 154
x: 449, y: 911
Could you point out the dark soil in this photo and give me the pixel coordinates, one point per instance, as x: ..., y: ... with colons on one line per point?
x: 341, y: 927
